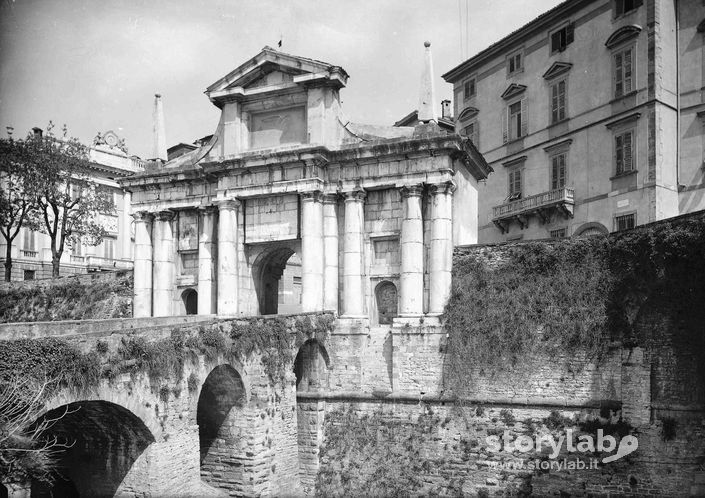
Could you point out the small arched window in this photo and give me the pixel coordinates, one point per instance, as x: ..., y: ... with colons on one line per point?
x: 386, y: 295
x: 190, y: 299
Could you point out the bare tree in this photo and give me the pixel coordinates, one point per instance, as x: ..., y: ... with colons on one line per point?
x: 26, y: 452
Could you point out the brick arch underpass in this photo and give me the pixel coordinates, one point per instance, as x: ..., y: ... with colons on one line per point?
x: 106, y: 441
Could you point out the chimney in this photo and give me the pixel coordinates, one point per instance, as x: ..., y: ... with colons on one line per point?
x: 445, y: 109
x: 38, y: 132
x: 158, y: 130
x: 427, y: 97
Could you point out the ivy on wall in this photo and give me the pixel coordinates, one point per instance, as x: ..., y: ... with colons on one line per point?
x: 569, y: 298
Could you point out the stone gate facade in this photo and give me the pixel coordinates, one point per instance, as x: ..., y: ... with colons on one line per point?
x: 369, y: 214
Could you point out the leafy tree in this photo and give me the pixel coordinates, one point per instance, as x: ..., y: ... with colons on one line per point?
x: 17, y: 194
x: 68, y: 199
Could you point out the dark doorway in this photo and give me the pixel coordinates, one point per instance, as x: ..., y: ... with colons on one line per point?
x: 279, y: 282
x: 311, y: 367
x: 190, y: 298
x: 386, y: 296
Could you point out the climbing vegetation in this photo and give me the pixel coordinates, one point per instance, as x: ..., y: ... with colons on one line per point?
x: 569, y: 299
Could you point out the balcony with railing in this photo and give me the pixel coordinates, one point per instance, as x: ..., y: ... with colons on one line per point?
x: 560, y: 200
x: 29, y: 254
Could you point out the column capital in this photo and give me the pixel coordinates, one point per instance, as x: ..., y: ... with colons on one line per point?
x: 312, y: 196
x: 207, y: 209
x: 447, y: 187
x: 223, y: 204
x: 166, y: 215
x: 411, y: 191
x: 357, y: 195
x: 143, y: 216
x: 331, y: 198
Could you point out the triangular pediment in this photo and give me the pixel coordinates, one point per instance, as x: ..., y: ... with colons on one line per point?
x: 556, y: 69
x: 272, y: 68
x: 623, y: 34
x: 513, y: 90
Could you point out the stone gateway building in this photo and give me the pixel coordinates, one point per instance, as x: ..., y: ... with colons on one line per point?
x: 291, y: 207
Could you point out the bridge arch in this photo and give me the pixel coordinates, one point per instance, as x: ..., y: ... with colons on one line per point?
x: 106, y: 444
x: 221, y: 426
x: 311, y: 366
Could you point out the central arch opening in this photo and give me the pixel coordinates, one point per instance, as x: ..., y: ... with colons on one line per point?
x: 106, y: 440
x: 278, y: 282
x: 220, y: 424
x: 190, y: 300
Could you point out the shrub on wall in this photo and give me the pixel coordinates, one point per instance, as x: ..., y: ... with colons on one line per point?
x: 568, y: 299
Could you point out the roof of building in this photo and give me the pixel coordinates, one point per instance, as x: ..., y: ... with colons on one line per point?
x: 539, y: 23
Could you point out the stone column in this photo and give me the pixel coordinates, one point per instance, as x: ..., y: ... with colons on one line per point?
x: 227, y: 278
x: 353, y: 298
x: 411, y: 292
x: 441, y: 253
x: 126, y: 251
x: 206, y: 261
x: 330, y: 251
x: 142, y: 302
x: 163, y: 268
x: 312, y: 258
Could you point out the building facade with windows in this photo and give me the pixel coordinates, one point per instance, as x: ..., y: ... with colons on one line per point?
x: 31, y: 251
x: 592, y: 117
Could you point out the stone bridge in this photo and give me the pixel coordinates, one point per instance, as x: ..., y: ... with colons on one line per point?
x: 223, y: 426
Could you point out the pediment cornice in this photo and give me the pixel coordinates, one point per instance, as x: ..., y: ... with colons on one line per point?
x: 513, y: 90
x: 557, y: 68
x: 623, y: 34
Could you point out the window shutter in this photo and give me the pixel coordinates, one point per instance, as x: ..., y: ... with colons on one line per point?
x: 619, y: 7
x: 524, y: 117
x: 561, y: 171
x: 569, y: 33
x: 618, y: 89
x: 505, y: 123
x: 476, y: 135
x: 554, y: 173
x: 555, y: 41
x: 628, y: 166
x: 517, y: 176
x: 554, y: 103
x: 561, y: 100
x: 619, y: 153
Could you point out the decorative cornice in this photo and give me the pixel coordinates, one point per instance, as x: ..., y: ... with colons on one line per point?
x: 623, y: 34
x: 513, y: 90
x: 514, y: 162
x: 468, y: 113
x: 563, y: 144
x: 624, y: 120
x: 556, y: 69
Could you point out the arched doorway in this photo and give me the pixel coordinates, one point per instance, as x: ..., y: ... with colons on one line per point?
x: 190, y: 300
x: 311, y: 367
x: 387, y: 303
x: 220, y: 425
x: 278, y: 281
x: 105, y: 440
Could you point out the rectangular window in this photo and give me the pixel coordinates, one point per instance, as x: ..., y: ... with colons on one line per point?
x: 562, y: 38
x: 28, y: 240
x: 29, y: 275
x: 559, y: 233
x: 624, y: 152
x: 622, y: 7
x: 623, y: 71
x: 514, y: 63
x: 514, y: 184
x: 472, y: 132
x: 558, y: 171
x: 516, y: 120
x: 77, y: 249
x: 469, y: 89
x: 624, y: 222
x: 558, y: 101
x: 109, y: 248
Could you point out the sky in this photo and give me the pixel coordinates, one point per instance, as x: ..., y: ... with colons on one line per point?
x: 95, y: 65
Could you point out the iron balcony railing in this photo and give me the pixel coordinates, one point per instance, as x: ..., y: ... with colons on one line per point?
x: 30, y: 254
x: 534, y: 202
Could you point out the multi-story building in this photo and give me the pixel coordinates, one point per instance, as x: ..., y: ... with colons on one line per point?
x: 592, y: 117
x: 31, y: 251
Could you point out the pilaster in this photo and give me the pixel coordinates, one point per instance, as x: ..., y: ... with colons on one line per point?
x: 142, y: 301
x: 330, y: 252
x: 206, y: 261
x: 312, y: 254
